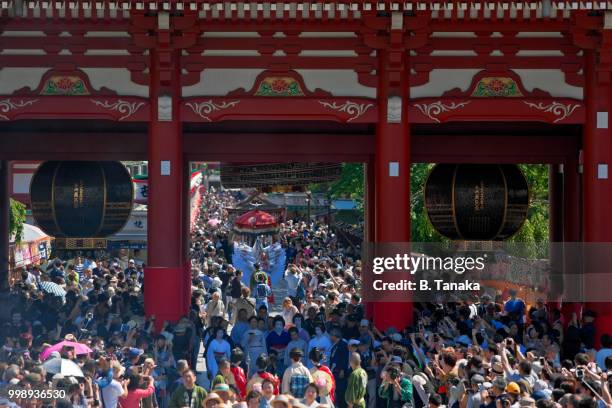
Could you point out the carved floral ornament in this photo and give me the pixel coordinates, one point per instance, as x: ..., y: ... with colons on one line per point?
x: 560, y: 110
x: 353, y: 109
x: 203, y: 109
x: 64, y: 85
x: 124, y: 107
x: 434, y: 109
x: 497, y: 87
x: 7, y: 105
x: 279, y: 86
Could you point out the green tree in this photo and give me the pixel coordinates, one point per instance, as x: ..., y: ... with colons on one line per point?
x: 421, y: 228
x: 349, y: 185
x: 17, y: 217
x: 533, y: 235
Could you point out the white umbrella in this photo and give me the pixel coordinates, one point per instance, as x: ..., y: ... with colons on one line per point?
x: 63, y: 366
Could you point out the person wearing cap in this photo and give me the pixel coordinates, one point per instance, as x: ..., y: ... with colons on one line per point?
x: 514, y: 392
x: 132, y: 356
x: 109, y: 381
x: 474, y: 397
x: 131, y: 268
x: 213, y: 400
x: 280, y: 401
x: 353, y: 345
x: 395, y: 389
x: 296, y: 377
x: 497, y: 390
x: 224, y: 391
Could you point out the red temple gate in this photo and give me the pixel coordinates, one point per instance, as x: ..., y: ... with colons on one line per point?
x: 385, y: 83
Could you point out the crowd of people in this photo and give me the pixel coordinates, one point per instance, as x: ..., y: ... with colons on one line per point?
x: 302, y: 342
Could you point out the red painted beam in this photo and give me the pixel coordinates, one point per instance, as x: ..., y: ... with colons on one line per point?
x: 54, y: 41
x: 265, y: 62
x: 77, y: 25
x: 491, y: 148
x: 72, y: 146
x: 462, y: 146
x: 513, y: 25
x: 83, y: 61
x: 282, y: 147
x: 214, y: 43
x: 473, y: 62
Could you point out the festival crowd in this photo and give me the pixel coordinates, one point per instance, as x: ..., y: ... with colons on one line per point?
x: 311, y: 346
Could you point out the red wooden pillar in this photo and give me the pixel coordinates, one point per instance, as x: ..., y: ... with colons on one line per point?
x: 392, y: 175
x: 370, y: 217
x: 597, y: 185
x: 5, y: 208
x: 572, y: 214
x: 555, y: 220
x: 166, y: 289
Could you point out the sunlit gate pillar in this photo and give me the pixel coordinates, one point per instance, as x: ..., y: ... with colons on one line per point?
x: 597, y: 182
x: 572, y: 214
x: 166, y: 289
x: 369, y: 176
x: 5, y: 208
x: 555, y: 220
x: 392, y: 168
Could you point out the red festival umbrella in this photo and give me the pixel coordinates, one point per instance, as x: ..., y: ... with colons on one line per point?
x: 255, y: 222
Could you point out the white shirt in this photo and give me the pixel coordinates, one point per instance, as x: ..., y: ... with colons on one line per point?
x: 293, y: 280
x: 111, y: 394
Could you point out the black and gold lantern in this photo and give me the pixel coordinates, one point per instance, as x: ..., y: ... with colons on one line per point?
x: 476, y: 201
x: 81, y: 198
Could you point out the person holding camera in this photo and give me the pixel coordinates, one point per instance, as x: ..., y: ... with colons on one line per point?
x: 135, y: 393
x: 395, y: 389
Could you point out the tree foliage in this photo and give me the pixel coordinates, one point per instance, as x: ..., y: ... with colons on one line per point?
x: 533, y: 235
x: 350, y: 185
x: 17, y: 217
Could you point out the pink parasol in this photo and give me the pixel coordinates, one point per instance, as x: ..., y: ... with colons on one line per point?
x: 79, y: 348
x: 213, y: 222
